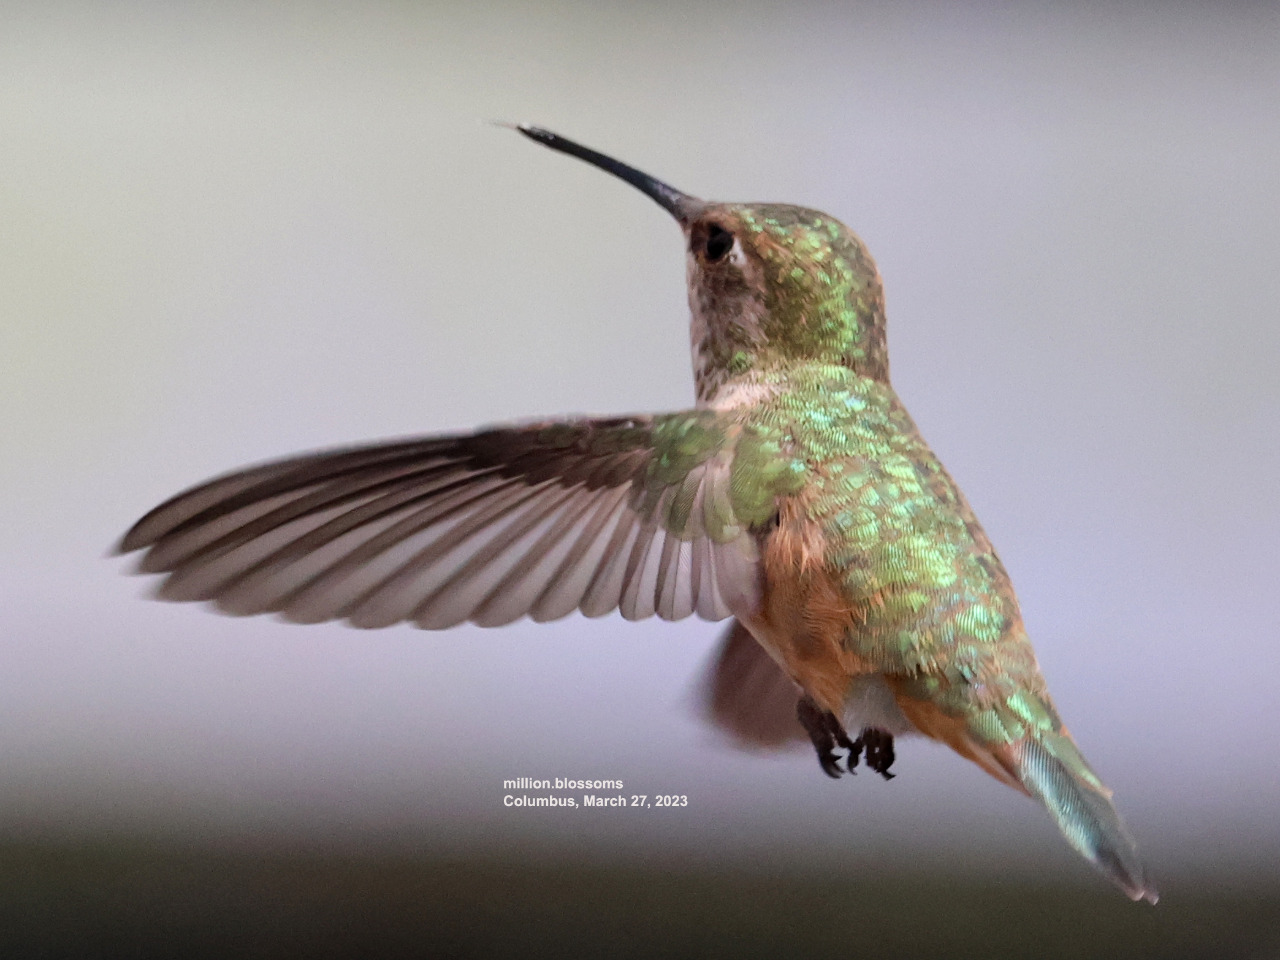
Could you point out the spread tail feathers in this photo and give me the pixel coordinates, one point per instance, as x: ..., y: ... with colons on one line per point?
x: 1052, y: 769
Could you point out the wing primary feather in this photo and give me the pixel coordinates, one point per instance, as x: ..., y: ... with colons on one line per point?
x: 455, y: 598
x: 172, y: 550
x: 204, y: 534
x: 307, y: 550
x: 605, y: 589
x: 666, y: 576
x: 568, y: 586
x: 517, y: 592
x: 243, y: 560
x: 273, y: 583
x: 640, y: 597
x: 396, y: 596
x: 197, y: 547
x: 210, y: 576
x: 675, y: 599
x: 245, y: 487
x: 338, y: 590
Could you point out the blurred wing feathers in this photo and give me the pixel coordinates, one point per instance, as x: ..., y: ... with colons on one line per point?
x: 746, y: 695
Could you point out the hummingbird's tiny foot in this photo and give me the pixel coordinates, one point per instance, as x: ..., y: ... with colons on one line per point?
x: 830, y: 765
x: 827, y: 733
x: 855, y: 751
x: 879, y: 747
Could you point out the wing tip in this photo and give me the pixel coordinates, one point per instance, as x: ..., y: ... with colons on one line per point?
x: 134, y: 539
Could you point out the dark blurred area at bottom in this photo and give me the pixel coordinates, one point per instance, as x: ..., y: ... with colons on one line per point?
x: 146, y: 900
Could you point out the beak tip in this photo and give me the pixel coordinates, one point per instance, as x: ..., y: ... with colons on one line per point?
x: 678, y: 204
x: 533, y: 132
x: 526, y: 128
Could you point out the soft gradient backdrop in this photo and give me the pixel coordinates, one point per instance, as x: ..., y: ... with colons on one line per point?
x: 229, y: 232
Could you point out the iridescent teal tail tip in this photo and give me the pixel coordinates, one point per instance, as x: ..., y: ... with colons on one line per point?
x: 1085, y: 816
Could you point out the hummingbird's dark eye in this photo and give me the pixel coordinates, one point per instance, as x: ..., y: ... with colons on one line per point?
x: 719, y: 242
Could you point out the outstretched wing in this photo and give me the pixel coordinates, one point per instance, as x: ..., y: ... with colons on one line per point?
x: 645, y: 515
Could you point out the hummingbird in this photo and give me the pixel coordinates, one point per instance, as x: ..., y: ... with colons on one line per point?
x: 796, y: 498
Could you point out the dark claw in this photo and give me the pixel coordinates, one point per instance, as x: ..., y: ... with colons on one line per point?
x: 855, y: 750
x: 830, y: 764
x: 826, y: 733
x: 879, y: 747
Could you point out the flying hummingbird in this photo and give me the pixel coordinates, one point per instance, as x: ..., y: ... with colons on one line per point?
x: 796, y: 497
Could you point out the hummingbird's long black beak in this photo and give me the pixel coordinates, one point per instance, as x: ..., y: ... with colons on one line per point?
x: 679, y: 205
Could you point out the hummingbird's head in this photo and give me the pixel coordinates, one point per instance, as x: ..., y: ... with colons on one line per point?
x: 769, y: 284
x: 772, y: 284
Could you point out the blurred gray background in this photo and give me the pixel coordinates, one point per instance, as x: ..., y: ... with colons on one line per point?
x: 231, y: 232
